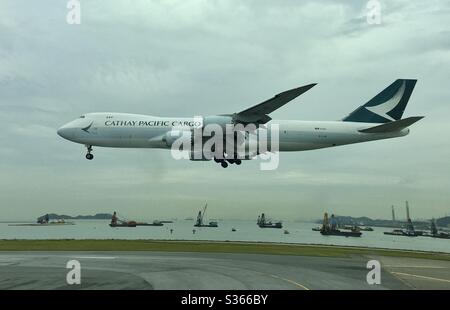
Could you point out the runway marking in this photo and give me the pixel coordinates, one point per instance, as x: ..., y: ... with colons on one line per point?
x: 429, y: 267
x: 290, y: 281
x: 403, y: 281
x: 95, y: 257
x: 421, y: 277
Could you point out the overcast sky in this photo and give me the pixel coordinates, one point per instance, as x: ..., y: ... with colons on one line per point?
x: 186, y: 58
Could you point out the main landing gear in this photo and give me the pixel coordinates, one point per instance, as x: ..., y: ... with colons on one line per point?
x: 89, y: 156
x: 224, y: 162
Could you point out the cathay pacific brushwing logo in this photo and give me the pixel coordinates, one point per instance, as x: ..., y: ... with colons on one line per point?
x: 386, y: 107
x: 86, y: 129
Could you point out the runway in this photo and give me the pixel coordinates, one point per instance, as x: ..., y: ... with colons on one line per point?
x: 163, y: 270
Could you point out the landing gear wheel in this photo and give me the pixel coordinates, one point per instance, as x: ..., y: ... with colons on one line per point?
x: 217, y: 160
x: 238, y: 162
x: 89, y: 156
x: 224, y: 164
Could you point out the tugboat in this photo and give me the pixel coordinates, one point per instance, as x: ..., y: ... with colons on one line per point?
x: 262, y: 222
x: 200, y: 217
x: 329, y: 228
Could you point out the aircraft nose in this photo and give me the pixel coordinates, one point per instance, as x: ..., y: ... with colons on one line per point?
x: 60, y: 132
x: 64, y: 132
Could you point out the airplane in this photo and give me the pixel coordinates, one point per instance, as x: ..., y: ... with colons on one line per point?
x: 379, y: 118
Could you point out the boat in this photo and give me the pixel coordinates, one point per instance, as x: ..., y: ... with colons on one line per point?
x: 337, y: 232
x: 233, y: 229
x: 329, y: 228
x: 358, y: 228
x: 440, y: 235
x: 200, y: 217
x: 365, y: 228
x: 116, y: 222
x: 262, y: 222
x: 315, y: 229
x: 124, y: 224
x: 120, y: 223
x: 278, y: 225
x: 155, y: 223
x: 434, y: 233
x: 409, y: 231
x: 401, y: 232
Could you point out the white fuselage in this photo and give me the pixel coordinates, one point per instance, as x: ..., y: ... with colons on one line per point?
x: 122, y: 130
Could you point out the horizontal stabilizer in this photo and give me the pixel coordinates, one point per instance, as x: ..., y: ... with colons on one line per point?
x: 393, y: 126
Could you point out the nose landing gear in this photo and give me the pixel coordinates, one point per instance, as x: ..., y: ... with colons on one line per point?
x: 89, y: 156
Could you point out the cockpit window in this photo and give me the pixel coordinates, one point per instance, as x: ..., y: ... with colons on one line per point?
x: 82, y: 116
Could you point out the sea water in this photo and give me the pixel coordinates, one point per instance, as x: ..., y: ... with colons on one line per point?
x: 245, y: 231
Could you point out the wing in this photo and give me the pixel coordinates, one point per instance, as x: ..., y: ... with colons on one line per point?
x: 258, y: 114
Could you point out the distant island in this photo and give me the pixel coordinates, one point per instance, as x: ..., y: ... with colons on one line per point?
x: 443, y: 221
x: 98, y: 216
